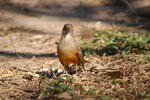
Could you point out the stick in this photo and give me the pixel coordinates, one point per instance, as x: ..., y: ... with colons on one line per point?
x: 27, y: 66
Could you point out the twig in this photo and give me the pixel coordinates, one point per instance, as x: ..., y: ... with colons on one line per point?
x: 11, y: 89
x: 27, y: 66
x: 135, y: 87
x: 144, y: 65
x: 39, y: 97
x: 114, y: 62
x: 54, y: 74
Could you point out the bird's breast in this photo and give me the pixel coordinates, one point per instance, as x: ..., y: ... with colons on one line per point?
x: 67, y: 45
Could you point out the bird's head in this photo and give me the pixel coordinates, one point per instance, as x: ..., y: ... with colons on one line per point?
x: 67, y: 29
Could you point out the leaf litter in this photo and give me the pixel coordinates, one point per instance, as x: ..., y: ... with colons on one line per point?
x: 115, y: 76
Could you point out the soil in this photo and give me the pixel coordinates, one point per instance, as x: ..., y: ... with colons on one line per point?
x: 32, y: 28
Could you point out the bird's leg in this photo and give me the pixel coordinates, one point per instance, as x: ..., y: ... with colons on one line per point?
x: 69, y: 69
x: 76, y: 68
x: 66, y: 69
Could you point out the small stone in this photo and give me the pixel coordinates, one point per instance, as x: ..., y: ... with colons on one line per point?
x: 30, y: 75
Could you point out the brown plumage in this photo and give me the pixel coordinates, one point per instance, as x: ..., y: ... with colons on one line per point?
x: 68, y: 50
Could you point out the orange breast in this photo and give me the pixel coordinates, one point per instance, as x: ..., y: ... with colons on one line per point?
x: 70, y: 58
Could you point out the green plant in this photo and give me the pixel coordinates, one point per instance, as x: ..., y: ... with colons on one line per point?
x: 67, y: 84
x: 91, y: 91
x: 105, y: 97
x: 143, y: 93
x: 57, y: 86
x: 52, y: 66
x: 146, y: 58
x: 117, y: 41
x: 117, y: 80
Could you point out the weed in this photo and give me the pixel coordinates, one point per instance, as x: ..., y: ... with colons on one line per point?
x: 105, y: 97
x: 52, y: 66
x: 117, y: 80
x: 91, y: 91
x: 117, y: 41
x: 67, y: 84
x: 143, y: 93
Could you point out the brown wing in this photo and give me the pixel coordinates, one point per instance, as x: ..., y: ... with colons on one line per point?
x: 80, y: 56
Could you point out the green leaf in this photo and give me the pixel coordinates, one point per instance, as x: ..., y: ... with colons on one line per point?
x: 60, y: 79
x: 63, y: 86
x: 53, y: 83
x: 143, y: 38
x: 58, y: 89
x: 71, y: 79
x: 41, y: 80
x: 120, y: 34
x: 105, y: 98
x: 143, y: 93
x: 52, y: 66
x: 117, y: 80
x: 90, y: 92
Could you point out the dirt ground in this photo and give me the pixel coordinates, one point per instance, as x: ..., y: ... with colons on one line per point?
x: 32, y: 29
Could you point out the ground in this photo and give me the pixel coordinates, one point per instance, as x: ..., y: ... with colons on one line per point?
x: 31, y: 30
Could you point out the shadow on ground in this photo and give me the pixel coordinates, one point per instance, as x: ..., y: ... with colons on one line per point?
x: 27, y: 55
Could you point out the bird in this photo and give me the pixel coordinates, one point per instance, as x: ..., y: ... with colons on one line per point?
x: 68, y: 50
